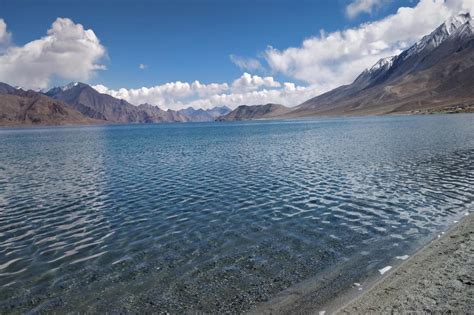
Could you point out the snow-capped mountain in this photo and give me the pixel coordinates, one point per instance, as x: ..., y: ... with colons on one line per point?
x: 461, y: 25
x: 440, y: 34
x: 436, y: 72
x: 369, y: 75
x: 69, y: 86
x: 382, y: 64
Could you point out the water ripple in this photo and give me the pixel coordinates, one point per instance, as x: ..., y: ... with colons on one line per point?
x: 217, y: 217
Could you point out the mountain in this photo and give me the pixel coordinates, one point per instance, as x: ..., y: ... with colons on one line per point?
x: 246, y: 112
x: 435, y: 74
x: 156, y: 114
x: 19, y: 107
x: 219, y: 111
x: 204, y: 114
x: 7, y: 89
x: 91, y: 103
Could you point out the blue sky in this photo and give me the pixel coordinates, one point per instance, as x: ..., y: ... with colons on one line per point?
x: 183, y: 40
x: 296, y: 49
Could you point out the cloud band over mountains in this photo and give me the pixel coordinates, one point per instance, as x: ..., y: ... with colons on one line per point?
x: 248, y: 89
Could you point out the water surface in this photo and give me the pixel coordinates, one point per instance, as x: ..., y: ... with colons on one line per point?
x: 219, y: 216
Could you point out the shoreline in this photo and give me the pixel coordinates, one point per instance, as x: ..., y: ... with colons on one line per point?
x: 378, y: 294
x: 303, y: 118
x: 437, y: 278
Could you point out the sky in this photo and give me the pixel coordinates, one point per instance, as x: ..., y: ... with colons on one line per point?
x: 206, y: 53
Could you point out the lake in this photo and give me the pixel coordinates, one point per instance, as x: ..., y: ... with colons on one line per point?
x: 216, y: 217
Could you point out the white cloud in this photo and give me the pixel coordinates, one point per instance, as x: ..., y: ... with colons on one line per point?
x: 246, y: 64
x: 4, y: 34
x: 289, y: 94
x: 169, y: 95
x: 357, y: 7
x: 333, y: 59
x: 461, y: 5
x: 248, y: 82
x: 247, y: 89
x: 142, y: 66
x: 68, y: 51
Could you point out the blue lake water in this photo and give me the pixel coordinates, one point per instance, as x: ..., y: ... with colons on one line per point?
x: 220, y: 216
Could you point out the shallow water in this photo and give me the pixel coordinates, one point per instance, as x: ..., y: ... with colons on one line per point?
x: 219, y: 216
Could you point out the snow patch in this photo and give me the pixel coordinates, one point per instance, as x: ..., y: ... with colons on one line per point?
x: 69, y: 86
x: 385, y: 269
x: 384, y: 63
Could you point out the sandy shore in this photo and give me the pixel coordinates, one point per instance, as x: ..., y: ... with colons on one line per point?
x: 439, y: 278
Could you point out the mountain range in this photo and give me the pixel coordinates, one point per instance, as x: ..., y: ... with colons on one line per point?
x: 91, y: 103
x: 79, y: 103
x: 204, y: 115
x: 436, y: 74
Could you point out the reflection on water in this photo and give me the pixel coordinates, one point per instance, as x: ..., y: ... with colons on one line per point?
x: 219, y: 216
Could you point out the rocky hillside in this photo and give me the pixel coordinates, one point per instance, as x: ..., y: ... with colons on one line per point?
x: 91, y: 103
x: 246, y: 112
x: 19, y: 107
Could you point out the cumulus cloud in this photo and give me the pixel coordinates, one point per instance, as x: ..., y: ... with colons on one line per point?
x: 68, y: 51
x: 247, y: 89
x: 4, y: 34
x: 169, y: 95
x: 288, y: 94
x: 246, y: 64
x: 333, y: 59
x: 248, y: 82
x: 142, y: 66
x: 357, y: 7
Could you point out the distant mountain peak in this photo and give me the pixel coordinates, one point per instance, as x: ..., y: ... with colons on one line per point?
x: 455, y: 21
x: 451, y: 26
x: 383, y: 63
x: 378, y: 68
x: 69, y: 86
x: 201, y: 114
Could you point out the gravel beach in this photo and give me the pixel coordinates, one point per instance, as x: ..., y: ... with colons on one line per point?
x: 439, y: 278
